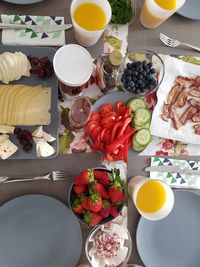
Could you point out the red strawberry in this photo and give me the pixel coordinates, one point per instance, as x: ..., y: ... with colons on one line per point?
x: 92, y: 218
x: 106, y: 207
x: 76, y: 206
x: 79, y: 189
x: 102, y: 177
x: 100, y: 189
x: 116, y: 189
x: 84, y: 202
x: 95, y: 202
x: 86, y: 177
x: 114, y: 212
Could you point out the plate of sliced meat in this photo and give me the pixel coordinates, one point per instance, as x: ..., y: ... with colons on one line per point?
x: 177, y: 113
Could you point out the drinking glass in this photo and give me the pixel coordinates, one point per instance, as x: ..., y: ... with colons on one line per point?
x: 152, y: 15
x: 88, y: 37
x: 134, y: 186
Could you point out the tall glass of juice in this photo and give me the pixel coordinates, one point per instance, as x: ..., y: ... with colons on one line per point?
x: 153, y: 199
x: 89, y: 18
x: 155, y: 12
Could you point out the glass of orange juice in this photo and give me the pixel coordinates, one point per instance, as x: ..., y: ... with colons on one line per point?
x: 155, y: 12
x: 153, y: 199
x: 89, y: 18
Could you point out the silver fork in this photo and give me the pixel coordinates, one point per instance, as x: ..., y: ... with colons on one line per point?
x: 52, y: 176
x: 174, y: 43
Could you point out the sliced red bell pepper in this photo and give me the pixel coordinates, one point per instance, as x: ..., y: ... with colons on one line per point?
x: 124, y: 126
x: 119, y: 141
x: 120, y: 107
x: 115, y: 130
x: 126, y: 147
x: 116, y: 155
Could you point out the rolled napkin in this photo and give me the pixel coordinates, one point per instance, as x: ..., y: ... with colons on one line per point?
x: 28, y: 36
x: 174, y: 179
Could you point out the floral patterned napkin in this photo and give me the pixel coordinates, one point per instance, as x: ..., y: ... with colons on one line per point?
x: 179, y: 180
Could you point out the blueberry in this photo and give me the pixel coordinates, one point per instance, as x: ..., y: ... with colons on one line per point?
x: 123, y: 80
x: 128, y: 78
x: 144, y: 72
x: 133, y: 88
x: 134, y: 79
x: 138, y: 63
x: 140, y: 76
x: 136, y: 85
x: 132, y: 83
x: 128, y: 88
x: 152, y: 71
x: 135, y: 73
x: 144, y: 63
x: 139, y: 69
x: 128, y: 65
x: 133, y: 65
x: 126, y: 71
x: 153, y: 82
x: 139, y: 82
x: 148, y: 77
x: 149, y: 64
x: 142, y: 90
x: 142, y: 85
x: 137, y: 91
x: 129, y: 72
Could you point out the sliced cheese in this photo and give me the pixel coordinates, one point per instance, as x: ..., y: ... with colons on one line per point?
x: 3, y: 137
x: 13, y: 66
x: 43, y: 149
x: 6, y: 129
x: 25, y: 105
x: 7, y: 149
x: 40, y: 134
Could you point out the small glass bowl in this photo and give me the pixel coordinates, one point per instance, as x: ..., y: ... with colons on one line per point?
x: 140, y: 56
x: 79, y: 216
x: 127, y: 242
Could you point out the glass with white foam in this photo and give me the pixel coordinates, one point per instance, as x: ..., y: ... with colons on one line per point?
x: 134, y: 187
x: 88, y: 37
x: 152, y: 15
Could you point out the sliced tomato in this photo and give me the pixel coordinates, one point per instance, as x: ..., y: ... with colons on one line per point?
x: 120, y: 107
x: 95, y: 132
x: 106, y: 108
x: 91, y: 125
x: 94, y: 116
x: 108, y: 121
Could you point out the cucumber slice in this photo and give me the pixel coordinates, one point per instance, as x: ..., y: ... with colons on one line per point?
x: 138, y: 148
x: 135, y: 103
x: 139, y: 127
x: 143, y: 137
x: 142, y: 116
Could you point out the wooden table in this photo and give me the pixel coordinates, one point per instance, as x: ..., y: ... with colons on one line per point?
x: 139, y: 37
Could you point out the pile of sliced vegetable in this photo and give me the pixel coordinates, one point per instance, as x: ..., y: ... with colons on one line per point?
x: 141, y: 122
x: 110, y: 130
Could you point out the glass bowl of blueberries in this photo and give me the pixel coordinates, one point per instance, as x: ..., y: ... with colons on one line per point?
x: 141, y: 73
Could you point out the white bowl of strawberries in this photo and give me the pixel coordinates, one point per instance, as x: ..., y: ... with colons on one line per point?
x: 97, y: 195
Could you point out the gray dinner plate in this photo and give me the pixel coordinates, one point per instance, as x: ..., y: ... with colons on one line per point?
x: 175, y: 240
x: 34, y: 80
x: 22, y: 2
x: 38, y: 231
x: 190, y: 10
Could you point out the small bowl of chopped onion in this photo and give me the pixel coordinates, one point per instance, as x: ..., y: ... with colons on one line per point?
x: 109, y: 244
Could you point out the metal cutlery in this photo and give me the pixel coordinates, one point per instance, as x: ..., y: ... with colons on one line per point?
x: 170, y: 168
x: 52, y: 176
x: 174, y: 43
x: 36, y: 28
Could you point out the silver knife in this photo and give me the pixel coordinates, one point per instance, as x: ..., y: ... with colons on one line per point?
x: 37, y: 28
x: 170, y: 168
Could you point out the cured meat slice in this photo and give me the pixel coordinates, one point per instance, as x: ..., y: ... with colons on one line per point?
x: 173, y: 94
x: 175, y: 117
x: 165, y: 112
x: 195, y: 93
x: 182, y: 98
x: 196, y: 117
x: 193, y: 102
x: 187, y: 115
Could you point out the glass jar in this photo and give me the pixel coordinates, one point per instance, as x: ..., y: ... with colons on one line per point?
x: 107, y: 70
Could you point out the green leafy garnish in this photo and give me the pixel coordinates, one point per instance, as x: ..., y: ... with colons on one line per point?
x: 121, y: 11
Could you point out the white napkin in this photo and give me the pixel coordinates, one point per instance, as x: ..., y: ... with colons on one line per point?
x: 29, y: 37
x: 173, y: 68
